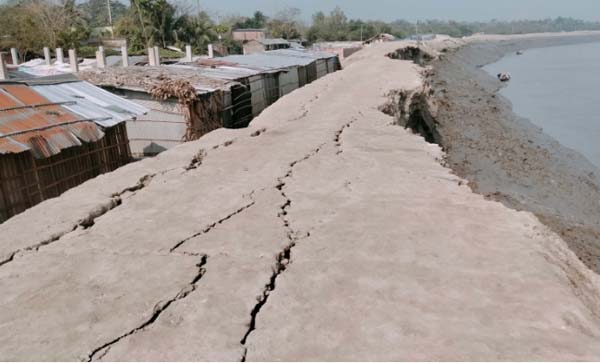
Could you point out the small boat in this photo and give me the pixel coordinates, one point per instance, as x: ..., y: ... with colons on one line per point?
x: 504, y: 77
x: 519, y: 52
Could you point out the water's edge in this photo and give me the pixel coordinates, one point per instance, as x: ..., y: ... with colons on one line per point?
x: 544, y: 78
x: 506, y: 157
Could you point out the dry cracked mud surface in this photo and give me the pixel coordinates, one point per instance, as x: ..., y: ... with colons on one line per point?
x: 322, y: 232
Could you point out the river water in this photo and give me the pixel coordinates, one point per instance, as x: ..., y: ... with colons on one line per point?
x: 558, y: 89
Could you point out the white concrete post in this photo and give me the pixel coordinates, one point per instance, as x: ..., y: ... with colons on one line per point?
x: 15, y: 56
x: 188, y: 53
x: 101, y: 48
x: 151, y: 57
x: 3, y: 70
x: 100, y: 59
x: 47, y: 56
x: 157, y: 55
x: 60, y: 56
x: 125, y: 55
x: 211, y: 53
x: 73, y: 60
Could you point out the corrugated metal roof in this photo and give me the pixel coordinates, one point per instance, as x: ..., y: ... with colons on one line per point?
x: 277, y: 59
x: 231, y: 73
x: 29, y: 121
x: 271, y: 61
x: 143, y: 78
x: 46, y: 118
x: 302, y: 53
x: 270, y: 41
x: 92, y: 102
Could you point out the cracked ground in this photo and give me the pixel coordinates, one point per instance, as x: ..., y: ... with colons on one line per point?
x: 322, y: 232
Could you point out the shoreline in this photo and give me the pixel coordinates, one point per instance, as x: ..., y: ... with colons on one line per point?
x: 506, y: 157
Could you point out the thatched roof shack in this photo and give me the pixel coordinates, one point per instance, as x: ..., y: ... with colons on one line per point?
x: 184, y: 104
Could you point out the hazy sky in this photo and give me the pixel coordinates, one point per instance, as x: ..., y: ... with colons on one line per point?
x: 417, y: 9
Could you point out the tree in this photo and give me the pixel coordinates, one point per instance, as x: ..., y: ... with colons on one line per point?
x: 285, y: 24
x: 198, y: 31
x: 329, y: 28
x: 257, y: 21
x: 18, y: 29
x: 95, y: 12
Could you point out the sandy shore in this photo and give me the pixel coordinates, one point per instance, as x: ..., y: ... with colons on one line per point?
x: 506, y: 157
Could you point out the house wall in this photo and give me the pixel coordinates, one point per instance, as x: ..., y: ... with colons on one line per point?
x: 165, y: 126
x: 332, y: 65
x: 26, y: 181
x: 241, y: 36
x: 252, y: 47
x: 259, y: 94
x: 162, y: 128
x: 288, y: 81
x: 321, y: 68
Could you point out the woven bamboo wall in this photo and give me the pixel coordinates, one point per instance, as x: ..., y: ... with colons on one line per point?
x: 26, y: 181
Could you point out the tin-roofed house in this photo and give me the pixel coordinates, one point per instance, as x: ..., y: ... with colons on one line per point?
x: 182, y: 104
x: 56, y: 134
x: 264, y: 45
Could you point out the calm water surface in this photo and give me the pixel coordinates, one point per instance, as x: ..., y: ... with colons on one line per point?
x: 558, y: 89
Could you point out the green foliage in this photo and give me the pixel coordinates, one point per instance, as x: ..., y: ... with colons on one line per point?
x: 334, y: 27
x: 95, y: 12
x: 285, y: 24
x: 20, y: 30
x: 88, y: 51
x: 257, y: 21
x: 29, y: 25
x: 198, y: 31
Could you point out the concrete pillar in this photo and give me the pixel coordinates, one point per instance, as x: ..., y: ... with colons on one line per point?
x: 60, y: 56
x: 125, y: 55
x: 3, y: 70
x: 15, y: 56
x: 151, y: 57
x: 101, y: 48
x: 47, y: 56
x: 188, y: 53
x: 211, y: 53
x: 73, y: 60
x: 100, y: 59
x: 157, y: 55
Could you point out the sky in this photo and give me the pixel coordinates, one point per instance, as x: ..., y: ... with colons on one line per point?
x: 388, y: 10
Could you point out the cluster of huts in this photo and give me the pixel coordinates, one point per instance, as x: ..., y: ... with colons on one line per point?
x: 230, y: 92
x: 58, y: 131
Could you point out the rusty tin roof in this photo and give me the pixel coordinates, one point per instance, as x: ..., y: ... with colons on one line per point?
x: 29, y: 121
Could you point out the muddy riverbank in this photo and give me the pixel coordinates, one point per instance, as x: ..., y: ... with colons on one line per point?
x: 506, y: 157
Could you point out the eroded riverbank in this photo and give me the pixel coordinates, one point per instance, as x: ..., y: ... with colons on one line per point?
x: 506, y: 157
x: 322, y: 232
